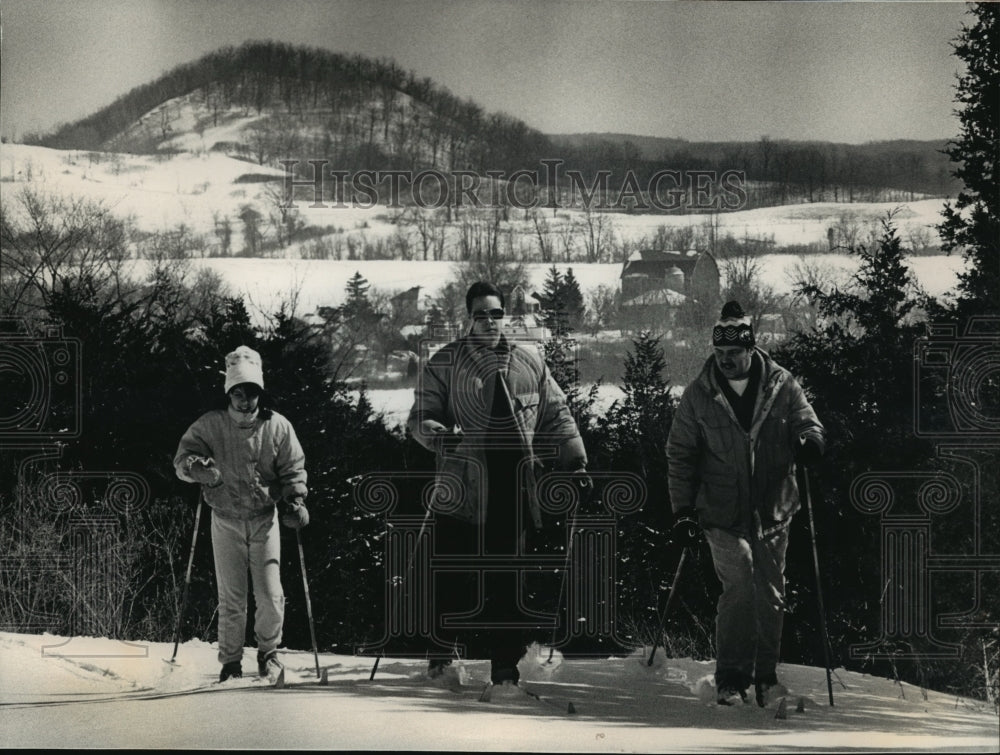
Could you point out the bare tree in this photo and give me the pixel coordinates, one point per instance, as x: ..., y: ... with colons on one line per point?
x: 743, y: 273
x: 543, y: 234
x: 47, y: 240
x: 429, y: 230
x: 602, y: 312
x: 285, y: 220
x: 567, y: 233
x: 597, y: 232
x: 808, y: 273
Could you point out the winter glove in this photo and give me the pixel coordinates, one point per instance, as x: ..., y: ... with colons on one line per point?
x: 294, y: 514
x: 808, y: 451
x: 686, y: 531
x: 204, y: 471
x: 447, y: 440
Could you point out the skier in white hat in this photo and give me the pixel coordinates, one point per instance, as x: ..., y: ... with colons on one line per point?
x: 250, y: 466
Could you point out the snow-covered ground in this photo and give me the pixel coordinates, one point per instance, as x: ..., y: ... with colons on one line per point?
x: 102, y: 694
x: 198, y: 189
x: 313, y: 283
x: 197, y: 186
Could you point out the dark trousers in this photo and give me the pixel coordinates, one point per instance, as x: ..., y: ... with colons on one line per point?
x: 487, y: 600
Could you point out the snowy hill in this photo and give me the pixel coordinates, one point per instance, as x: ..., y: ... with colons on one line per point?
x: 99, y: 693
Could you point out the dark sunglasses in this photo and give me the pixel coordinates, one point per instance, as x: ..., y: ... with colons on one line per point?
x: 481, y: 315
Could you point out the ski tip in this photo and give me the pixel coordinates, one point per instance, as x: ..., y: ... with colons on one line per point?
x: 782, y: 712
x: 324, y: 678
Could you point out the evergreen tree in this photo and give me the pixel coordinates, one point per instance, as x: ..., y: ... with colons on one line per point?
x: 573, y: 300
x: 972, y: 223
x: 358, y: 310
x: 562, y: 302
x: 357, y: 295
x: 856, y: 365
x: 553, y: 303
x: 632, y: 438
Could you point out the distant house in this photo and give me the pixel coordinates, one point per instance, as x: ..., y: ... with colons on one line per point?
x: 407, y: 305
x: 691, y: 274
x: 520, y: 304
x: 656, y: 283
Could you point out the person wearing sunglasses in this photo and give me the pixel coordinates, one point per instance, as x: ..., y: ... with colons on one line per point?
x: 494, y: 417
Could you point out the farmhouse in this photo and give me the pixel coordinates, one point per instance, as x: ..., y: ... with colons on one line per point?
x: 654, y: 276
x: 407, y: 305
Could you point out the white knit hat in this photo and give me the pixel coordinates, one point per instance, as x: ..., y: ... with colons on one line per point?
x: 243, y: 366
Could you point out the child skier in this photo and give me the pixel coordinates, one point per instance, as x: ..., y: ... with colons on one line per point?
x: 247, y: 458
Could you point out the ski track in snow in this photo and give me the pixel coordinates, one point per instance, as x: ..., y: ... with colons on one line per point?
x: 54, y: 692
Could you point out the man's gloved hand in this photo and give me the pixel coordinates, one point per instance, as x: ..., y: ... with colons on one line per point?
x: 446, y: 440
x: 204, y: 471
x: 808, y: 451
x: 686, y: 531
x: 294, y: 514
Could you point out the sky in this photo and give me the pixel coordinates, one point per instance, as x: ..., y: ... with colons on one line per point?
x: 837, y: 71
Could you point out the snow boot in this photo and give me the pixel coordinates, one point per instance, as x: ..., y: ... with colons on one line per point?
x: 768, y: 688
x: 725, y: 693
x: 729, y: 684
x: 436, y: 667
x: 504, y: 675
x: 267, y: 659
x: 231, y: 670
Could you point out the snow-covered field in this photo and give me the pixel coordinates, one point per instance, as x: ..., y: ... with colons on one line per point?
x: 94, y: 693
x: 197, y: 189
x: 313, y: 283
x: 197, y: 186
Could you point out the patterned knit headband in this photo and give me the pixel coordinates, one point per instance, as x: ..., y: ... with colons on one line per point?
x: 733, y: 327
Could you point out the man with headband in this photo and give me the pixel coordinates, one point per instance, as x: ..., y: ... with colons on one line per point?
x: 740, y: 429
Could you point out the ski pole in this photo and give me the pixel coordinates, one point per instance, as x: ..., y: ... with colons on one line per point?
x: 309, y: 610
x: 819, y: 587
x: 666, y: 608
x: 566, y: 564
x: 187, y: 582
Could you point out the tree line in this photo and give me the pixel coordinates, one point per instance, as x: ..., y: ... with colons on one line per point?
x: 370, y: 114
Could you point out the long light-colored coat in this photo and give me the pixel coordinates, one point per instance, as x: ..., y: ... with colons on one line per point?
x: 456, y: 387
